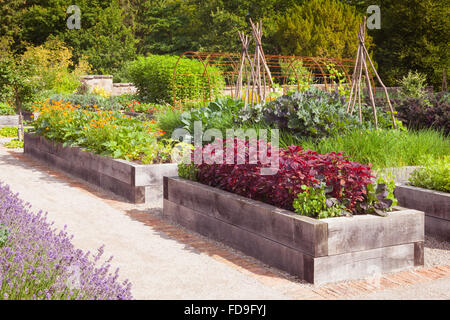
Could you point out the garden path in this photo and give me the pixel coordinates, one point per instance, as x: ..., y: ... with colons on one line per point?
x: 164, y: 261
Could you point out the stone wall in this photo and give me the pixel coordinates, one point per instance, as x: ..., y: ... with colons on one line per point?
x: 105, y: 82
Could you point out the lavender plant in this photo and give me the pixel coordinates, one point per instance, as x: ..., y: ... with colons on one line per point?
x: 39, y: 262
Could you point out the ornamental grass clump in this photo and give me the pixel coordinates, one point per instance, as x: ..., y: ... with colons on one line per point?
x: 39, y: 262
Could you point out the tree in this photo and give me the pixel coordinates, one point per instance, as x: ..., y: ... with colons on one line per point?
x: 319, y: 28
x: 175, y: 26
x: 18, y: 82
x: 103, y: 38
x: 106, y: 44
x: 414, y: 35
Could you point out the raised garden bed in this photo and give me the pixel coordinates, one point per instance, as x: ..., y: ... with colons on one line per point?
x: 9, y: 121
x: 135, y: 182
x: 318, y: 251
x: 13, y: 120
x: 435, y: 204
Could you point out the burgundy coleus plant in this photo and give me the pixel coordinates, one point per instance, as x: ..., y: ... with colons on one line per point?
x: 347, y: 180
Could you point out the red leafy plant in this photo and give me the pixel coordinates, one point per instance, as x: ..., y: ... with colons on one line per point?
x: 347, y: 180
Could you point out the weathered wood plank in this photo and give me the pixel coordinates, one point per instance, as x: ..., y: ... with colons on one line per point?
x: 9, y: 121
x: 433, y: 203
x: 302, y: 233
x: 154, y: 173
x: 115, y: 175
x: 265, y: 250
x: 357, y: 233
x: 438, y: 228
x: 363, y: 264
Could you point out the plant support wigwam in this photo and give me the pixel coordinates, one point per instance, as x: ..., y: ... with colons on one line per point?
x: 362, y: 56
x: 254, y: 72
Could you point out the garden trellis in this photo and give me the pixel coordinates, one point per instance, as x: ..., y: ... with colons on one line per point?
x: 362, y: 56
x: 287, y: 73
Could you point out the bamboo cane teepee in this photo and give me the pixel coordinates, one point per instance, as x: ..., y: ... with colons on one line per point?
x: 362, y: 55
x: 254, y: 71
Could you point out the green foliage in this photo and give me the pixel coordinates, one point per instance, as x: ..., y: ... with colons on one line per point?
x: 380, y: 196
x: 385, y: 148
x: 105, y: 40
x: 8, y: 132
x: 153, y: 77
x: 314, y: 113
x: 296, y: 75
x: 435, y: 175
x: 219, y: 114
x: 6, y: 109
x: 413, y: 36
x: 313, y: 202
x: 19, y: 82
x: 4, y: 235
x: 209, y: 25
x: 14, y: 144
x: 187, y: 171
x: 319, y: 28
x: 413, y: 85
x: 54, y: 66
x: 168, y: 119
x: 338, y: 78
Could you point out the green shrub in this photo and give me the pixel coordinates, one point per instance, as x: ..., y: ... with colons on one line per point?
x: 385, y: 148
x: 435, y: 175
x: 8, y: 132
x: 413, y: 85
x: 153, y: 76
x: 6, y: 109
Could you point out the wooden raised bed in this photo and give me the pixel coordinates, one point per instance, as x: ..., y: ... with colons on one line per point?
x: 135, y: 182
x: 13, y: 120
x: 435, y: 204
x: 9, y: 121
x: 317, y: 251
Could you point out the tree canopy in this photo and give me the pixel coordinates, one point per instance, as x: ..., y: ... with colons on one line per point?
x: 413, y: 36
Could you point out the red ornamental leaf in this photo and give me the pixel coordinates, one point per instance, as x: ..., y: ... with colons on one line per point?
x: 296, y: 167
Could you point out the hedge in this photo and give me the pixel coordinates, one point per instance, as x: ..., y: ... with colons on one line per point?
x: 153, y: 77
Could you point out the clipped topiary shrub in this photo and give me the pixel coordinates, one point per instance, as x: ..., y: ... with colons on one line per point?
x: 153, y: 77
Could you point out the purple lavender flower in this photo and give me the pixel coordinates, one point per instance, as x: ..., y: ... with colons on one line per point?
x: 39, y: 262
